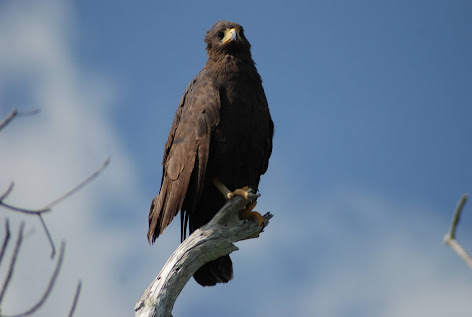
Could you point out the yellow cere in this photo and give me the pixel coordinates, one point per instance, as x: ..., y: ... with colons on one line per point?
x: 231, y: 35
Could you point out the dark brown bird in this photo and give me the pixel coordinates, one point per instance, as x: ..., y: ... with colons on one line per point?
x: 221, y: 138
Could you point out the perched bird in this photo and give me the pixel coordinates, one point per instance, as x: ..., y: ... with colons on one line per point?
x: 221, y: 138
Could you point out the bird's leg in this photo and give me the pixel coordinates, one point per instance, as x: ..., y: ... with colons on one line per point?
x: 243, y: 192
x: 247, y: 212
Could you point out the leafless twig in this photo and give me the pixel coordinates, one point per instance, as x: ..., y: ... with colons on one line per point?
x: 11, y: 268
x: 48, y: 235
x: 450, y: 237
x: 76, y: 298
x: 49, y: 206
x: 38, y: 212
x: 14, y: 113
x: 48, y: 290
x: 7, y: 192
x: 5, y: 240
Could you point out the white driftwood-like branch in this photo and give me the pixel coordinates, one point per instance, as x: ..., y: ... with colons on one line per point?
x: 207, y: 243
x: 450, y: 237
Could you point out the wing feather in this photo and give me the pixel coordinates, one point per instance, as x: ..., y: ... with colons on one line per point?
x: 185, y: 153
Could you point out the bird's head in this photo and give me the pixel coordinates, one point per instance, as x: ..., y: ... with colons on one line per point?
x: 226, y: 37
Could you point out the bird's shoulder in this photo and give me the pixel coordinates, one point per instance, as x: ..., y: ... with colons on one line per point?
x: 197, y: 113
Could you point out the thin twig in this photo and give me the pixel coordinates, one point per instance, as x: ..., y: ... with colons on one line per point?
x: 48, y: 235
x: 9, y: 117
x: 48, y: 290
x: 28, y: 113
x: 24, y: 210
x: 19, y: 240
x: 7, y: 192
x: 80, y: 186
x: 5, y: 240
x: 457, y: 215
x: 76, y: 299
x: 450, y: 237
x: 13, y: 113
x: 49, y: 206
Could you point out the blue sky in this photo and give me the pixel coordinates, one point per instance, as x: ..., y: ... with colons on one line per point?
x: 372, y: 104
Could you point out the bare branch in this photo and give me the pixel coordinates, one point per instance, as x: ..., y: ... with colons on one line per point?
x: 8, y: 119
x: 456, y: 217
x: 49, y: 206
x: 80, y: 186
x: 5, y: 240
x: 11, y: 268
x: 48, y: 235
x: 450, y: 237
x: 24, y: 210
x: 14, y: 113
x: 7, y: 192
x: 48, y: 290
x: 207, y: 243
x: 76, y: 299
x: 28, y: 113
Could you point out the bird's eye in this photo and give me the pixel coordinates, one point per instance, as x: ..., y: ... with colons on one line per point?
x: 221, y: 35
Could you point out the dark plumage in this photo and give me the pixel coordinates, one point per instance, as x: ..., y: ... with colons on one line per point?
x: 222, y: 129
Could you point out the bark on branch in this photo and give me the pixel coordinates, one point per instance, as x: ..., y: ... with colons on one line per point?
x: 450, y: 237
x: 207, y: 243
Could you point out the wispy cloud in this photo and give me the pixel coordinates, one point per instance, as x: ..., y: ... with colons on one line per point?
x: 48, y: 154
x: 364, y: 255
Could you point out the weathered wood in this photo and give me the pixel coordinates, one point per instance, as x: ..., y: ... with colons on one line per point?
x: 450, y: 237
x: 207, y: 243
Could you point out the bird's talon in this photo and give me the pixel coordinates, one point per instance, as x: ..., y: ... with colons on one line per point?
x: 243, y: 192
x: 248, y: 213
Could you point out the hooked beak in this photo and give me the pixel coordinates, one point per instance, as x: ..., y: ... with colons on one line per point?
x: 231, y: 35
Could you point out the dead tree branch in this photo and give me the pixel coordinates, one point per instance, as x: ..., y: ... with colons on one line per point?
x: 76, y: 299
x: 5, y: 240
x: 450, y: 237
x: 49, y: 206
x: 11, y: 268
x: 53, y: 203
x: 7, y: 192
x: 207, y: 243
x: 38, y: 212
x: 48, y: 290
x: 14, y: 113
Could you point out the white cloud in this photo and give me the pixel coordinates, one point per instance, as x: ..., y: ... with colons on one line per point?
x: 368, y: 261
x: 48, y: 154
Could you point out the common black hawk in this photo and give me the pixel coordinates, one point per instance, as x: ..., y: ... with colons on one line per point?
x: 221, y: 138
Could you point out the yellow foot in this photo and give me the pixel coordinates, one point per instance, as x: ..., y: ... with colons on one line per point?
x: 247, y: 213
x: 243, y: 192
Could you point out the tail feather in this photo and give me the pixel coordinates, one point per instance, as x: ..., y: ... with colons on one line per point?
x: 166, y: 205
x: 216, y: 271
